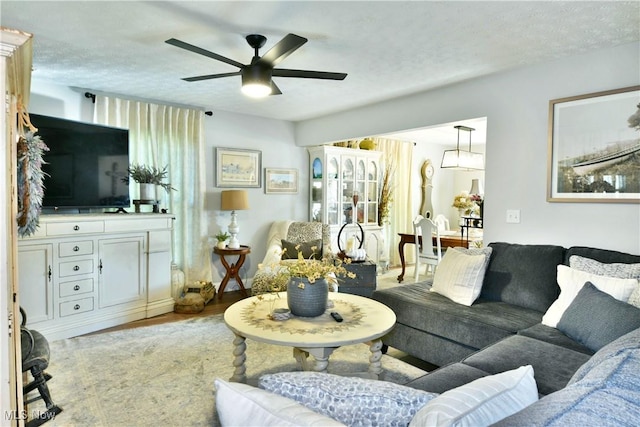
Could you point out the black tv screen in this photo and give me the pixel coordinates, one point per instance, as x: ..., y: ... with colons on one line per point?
x: 85, y: 164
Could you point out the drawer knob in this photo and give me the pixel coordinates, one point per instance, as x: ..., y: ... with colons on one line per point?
x: 76, y: 288
x: 76, y: 228
x: 76, y: 268
x: 76, y: 249
x: 76, y: 307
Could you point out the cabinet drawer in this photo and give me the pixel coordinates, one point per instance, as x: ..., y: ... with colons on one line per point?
x: 74, y: 268
x: 75, y: 248
x: 76, y: 287
x: 79, y: 227
x: 74, y: 307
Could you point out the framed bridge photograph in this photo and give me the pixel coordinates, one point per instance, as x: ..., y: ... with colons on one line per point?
x: 594, y: 147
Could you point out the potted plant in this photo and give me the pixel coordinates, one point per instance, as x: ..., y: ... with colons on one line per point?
x: 222, y: 239
x: 148, y: 177
x: 307, y: 281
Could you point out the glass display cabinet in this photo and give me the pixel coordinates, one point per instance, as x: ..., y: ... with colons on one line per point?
x: 344, y: 188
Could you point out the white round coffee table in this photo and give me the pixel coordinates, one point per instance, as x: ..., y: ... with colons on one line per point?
x: 365, y: 321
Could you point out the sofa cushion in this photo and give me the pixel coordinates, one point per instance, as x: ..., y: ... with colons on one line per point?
x: 572, y: 280
x: 477, y: 326
x: 553, y: 336
x: 595, y: 318
x: 447, y: 377
x: 513, y: 351
x: 241, y: 405
x: 352, y: 401
x: 523, y: 275
x: 627, y: 342
x: 481, y: 402
x: 606, y: 391
x: 460, y: 274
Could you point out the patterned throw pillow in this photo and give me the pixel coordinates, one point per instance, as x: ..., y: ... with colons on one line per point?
x: 616, y: 269
x: 310, y: 250
x: 460, y: 274
x: 352, y: 401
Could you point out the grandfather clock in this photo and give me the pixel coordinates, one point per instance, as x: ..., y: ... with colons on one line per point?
x: 426, y: 207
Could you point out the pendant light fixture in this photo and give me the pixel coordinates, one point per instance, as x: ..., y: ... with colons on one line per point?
x: 461, y: 159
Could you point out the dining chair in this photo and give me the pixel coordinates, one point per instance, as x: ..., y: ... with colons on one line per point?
x: 442, y: 222
x: 426, y: 229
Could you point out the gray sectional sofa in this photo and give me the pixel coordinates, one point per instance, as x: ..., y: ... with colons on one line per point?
x: 502, y: 330
x: 500, y: 333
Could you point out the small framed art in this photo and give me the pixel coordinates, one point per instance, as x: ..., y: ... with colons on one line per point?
x: 280, y: 181
x: 594, y: 147
x: 236, y: 167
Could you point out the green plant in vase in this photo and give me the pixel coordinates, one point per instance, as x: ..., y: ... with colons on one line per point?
x: 149, y: 175
x: 222, y: 239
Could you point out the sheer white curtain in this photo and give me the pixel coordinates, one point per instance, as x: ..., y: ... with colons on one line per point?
x: 162, y: 135
x: 400, y: 153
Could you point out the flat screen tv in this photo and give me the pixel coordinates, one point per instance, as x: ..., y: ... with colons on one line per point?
x: 85, y: 164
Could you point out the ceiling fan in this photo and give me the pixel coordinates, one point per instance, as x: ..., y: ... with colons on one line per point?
x: 256, y: 76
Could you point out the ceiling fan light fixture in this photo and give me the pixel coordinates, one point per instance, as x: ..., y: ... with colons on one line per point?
x: 256, y: 81
x: 256, y: 90
x: 461, y: 159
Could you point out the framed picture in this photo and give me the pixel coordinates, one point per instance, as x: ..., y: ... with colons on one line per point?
x: 594, y: 147
x: 280, y: 181
x: 238, y: 168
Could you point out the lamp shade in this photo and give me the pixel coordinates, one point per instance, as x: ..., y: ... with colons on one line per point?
x: 476, y: 187
x: 234, y: 200
x: 461, y: 159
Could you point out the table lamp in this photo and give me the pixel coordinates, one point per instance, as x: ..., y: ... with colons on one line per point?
x: 233, y: 200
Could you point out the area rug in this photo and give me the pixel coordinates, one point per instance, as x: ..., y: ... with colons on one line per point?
x: 163, y: 375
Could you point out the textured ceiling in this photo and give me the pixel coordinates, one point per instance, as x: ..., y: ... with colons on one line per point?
x: 388, y: 49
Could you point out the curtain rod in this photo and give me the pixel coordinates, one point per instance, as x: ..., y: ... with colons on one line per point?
x: 92, y: 96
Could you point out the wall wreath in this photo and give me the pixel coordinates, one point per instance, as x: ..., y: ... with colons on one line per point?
x: 30, y: 182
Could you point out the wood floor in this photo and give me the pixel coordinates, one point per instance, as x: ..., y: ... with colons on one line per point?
x: 215, y: 306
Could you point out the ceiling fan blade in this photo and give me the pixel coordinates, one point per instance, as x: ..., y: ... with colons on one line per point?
x: 275, y: 90
x: 196, y: 49
x: 282, y: 49
x: 305, y: 74
x: 211, y: 76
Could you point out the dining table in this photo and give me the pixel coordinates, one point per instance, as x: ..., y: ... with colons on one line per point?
x: 446, y: 241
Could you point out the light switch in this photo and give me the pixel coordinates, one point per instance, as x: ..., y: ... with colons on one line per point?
x: 513, y: 216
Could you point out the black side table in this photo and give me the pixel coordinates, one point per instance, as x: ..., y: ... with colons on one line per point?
x: 364, y: 283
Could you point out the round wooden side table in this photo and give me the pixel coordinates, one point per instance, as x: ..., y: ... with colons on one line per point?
x: 233, y: 269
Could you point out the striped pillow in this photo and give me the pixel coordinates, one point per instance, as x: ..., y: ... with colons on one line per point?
x: 481, y: 402
x: 460, y: 274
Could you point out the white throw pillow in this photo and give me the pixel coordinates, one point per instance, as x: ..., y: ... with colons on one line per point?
x: 460, y: 274
x: 481, y: 402
x: 572, y: 280
x: 243, y: 405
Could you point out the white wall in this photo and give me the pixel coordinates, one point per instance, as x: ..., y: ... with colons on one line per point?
x: 516, y: 106
x: 275, y: 139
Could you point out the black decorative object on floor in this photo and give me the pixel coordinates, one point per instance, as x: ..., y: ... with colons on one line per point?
x: 35, y: 358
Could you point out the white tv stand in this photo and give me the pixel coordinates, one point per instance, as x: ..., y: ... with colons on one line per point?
x: 86, y: 272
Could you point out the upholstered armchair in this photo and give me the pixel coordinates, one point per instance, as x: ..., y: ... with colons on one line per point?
x: 292, y: 232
